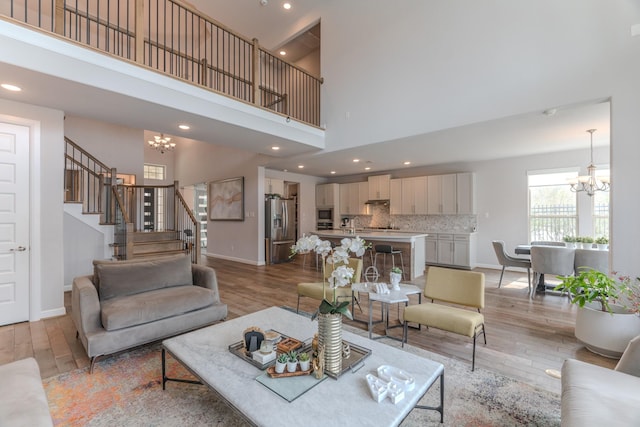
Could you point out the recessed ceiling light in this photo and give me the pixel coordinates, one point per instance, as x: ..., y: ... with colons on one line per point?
x: 283, y: 53
x: 300, y: 166
x: 356, y: 160
x: 407, y: 163
x: 333, y: 172
x: 287, y: 5
x: 367, y: 168
x: 184, y: 127
x: 275, y: 148
x: 10, y: 87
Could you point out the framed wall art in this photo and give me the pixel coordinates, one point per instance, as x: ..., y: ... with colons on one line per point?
x: 226, y: 200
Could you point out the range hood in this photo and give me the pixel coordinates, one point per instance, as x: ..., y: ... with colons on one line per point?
x: 384, y: 202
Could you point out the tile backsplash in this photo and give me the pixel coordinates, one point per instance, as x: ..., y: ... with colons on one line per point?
x: 380, y: 217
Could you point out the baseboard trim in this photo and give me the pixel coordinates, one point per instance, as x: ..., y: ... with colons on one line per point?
x: 228, y: 258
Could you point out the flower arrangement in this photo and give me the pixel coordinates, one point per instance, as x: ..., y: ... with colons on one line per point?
x: 629, y: 292
x: 338, y: 257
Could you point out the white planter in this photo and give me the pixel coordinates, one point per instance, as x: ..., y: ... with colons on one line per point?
x: 304, y: 365
x: 603, y: 247
x: 395, y: 280
x: 570, y: 245
x: 604, y: 333
x: 280, y: 367
x: 292, y: 366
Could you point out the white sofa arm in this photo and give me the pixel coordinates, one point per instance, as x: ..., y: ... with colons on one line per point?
x: 85, y: 306
x: 205, y: 277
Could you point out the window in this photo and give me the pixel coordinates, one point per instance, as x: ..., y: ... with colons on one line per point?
x: 553, y: 211
x: 154, y: 171
x: 601, y: 210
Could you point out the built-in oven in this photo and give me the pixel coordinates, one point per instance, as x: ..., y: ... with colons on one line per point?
x: 324, y: 225
x: 324, y: 214
x: 324, y: 219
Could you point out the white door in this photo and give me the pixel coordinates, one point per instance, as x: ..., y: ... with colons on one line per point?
x: 14, y: 223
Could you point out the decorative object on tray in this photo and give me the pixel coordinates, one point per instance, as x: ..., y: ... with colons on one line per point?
x: 266, y: 354
x: 273, y: 373
x: 304, y: 360
x: 253, y: 337
x: 394, y: 277
x: 292, y: 362
x: 288, y: 344
x: 330, y: 311
x: 281, y: 363
x: 318, y: 362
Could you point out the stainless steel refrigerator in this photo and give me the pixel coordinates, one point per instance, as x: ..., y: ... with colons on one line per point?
x: 280, y: 228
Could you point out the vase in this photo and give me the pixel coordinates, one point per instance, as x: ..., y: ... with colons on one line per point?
x: 330, y: 337
x: 395, y: 280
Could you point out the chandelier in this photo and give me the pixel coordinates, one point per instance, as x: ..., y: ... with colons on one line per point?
x: 590, y: 183
x: 162, y: 143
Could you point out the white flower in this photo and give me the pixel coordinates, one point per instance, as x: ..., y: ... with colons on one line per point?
x: 340, y: 276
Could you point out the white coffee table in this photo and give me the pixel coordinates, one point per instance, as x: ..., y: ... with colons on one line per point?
x: 346, y: 400
x: 393, y: 297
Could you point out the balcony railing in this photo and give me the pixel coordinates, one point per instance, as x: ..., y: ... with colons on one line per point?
x: 175, y: 39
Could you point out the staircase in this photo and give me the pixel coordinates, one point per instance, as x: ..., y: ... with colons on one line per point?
x: 146, y: 221
x: 151, y: 244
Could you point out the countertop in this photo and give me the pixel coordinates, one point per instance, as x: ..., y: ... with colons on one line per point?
x: 381, y: 235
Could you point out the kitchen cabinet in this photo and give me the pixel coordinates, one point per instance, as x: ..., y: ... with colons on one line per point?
x: 453, y: 250
x: 379, y: 187
x: 431, y: 249
x: 327, y: 195
x: 395, y: 196
x: 466, y: 193
x: 441, y: 194
x: 274, y: 186
x: 414, y: 196
x: 353, y: 197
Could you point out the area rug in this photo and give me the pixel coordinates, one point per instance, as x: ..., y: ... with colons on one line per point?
x: 126, y: 390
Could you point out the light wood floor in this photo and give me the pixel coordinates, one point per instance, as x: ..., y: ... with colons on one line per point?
x: 524, y: 337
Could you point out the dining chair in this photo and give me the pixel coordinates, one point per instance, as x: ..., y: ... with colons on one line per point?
x: 554, y: 260
x: 589, y: 258
x: 507, y: 260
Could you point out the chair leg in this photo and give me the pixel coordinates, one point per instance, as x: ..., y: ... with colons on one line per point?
x: 473, y: 357
x: 501, y: 274
x: 529, y: 278
x: 298, y: 306
x: 404, y: 332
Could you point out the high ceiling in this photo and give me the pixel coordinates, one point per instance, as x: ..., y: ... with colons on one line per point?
x: 274, y: 27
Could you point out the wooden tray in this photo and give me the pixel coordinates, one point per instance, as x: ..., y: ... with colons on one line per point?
x: 271, y: 370
x: 287, y: 344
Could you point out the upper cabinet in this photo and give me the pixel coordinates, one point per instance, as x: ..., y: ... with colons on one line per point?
x: 414, y: 196
x: 379, y: 187
x: 327, y: 195
x: 441, y: 194
x: 274, y: 186
x: 395, y: 197
x: 466, y: 193
x: 353, y: 197
x: 451, y: 194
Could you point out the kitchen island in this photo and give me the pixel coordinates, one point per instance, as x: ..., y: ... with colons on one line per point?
x: 411, y: 244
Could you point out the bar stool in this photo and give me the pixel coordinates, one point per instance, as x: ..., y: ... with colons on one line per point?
x: 388, y: 249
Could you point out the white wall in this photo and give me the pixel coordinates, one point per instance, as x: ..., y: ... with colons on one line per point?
x: 82, y: 244
x: 198, y: 162
x: 116, y: 146
x: 47, y: 166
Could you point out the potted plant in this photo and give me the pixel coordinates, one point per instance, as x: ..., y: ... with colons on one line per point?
x: 569, y: 241
x: 578, y: 242
x: 394, y: 277
x: 587, y: 242
x: 602, y: 243
x: 304, y: 360
x: 281, y: 362
x: 607, y: 317
x: 292, y: 361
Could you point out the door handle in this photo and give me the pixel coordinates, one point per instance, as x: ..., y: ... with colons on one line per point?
x: 20, y: 249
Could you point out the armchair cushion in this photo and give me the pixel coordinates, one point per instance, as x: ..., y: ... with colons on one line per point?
x: 117, y: 279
